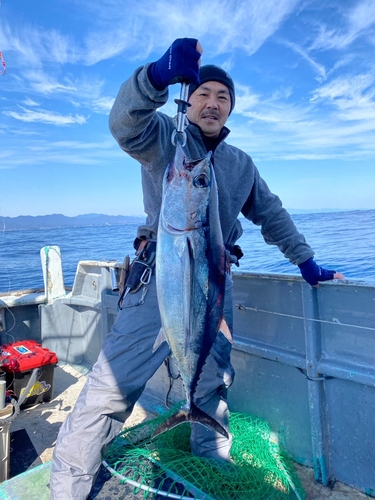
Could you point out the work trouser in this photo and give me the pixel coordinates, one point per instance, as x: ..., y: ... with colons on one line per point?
x: 126, y: 362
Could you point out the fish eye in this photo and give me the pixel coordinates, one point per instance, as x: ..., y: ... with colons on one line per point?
x: 201, y: 181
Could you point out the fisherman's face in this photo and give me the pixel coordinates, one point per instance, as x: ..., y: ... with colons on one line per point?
x: 210, y: 107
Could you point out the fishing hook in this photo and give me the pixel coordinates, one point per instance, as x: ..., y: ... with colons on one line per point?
x: 182, y: 105
x: 4, y: 70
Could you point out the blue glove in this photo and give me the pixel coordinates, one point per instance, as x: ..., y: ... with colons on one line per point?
x: 312, y: 273
x: 178, y: 64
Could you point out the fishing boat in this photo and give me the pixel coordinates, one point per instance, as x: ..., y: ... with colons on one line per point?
x: 304, y: 360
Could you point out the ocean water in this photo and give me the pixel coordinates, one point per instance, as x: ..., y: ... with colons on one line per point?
x: 343, y: 241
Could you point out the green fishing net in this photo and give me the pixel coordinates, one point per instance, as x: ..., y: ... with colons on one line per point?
x: 165, y: 467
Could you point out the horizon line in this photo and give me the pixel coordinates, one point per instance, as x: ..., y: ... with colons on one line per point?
x: 95, y: 214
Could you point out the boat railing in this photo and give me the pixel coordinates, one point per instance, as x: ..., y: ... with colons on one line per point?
x: 304, y: 357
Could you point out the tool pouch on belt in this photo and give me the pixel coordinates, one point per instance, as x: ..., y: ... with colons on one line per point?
x: 140, y: 271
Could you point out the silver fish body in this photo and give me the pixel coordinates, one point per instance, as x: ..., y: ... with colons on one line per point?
x: 190, y: 274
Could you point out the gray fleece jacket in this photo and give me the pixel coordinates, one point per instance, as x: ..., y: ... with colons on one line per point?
x: 145, y: 134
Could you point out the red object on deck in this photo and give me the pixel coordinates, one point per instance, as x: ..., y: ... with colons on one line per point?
x: 25, y: 359
x: 25, y: 355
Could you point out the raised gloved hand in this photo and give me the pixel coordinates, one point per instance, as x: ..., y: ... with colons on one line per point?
x: 178, y: 64
x: 312, y: 273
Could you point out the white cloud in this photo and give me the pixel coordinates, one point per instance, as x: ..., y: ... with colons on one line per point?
x: 34, y: 46
x: 245, y: 100
x: 46, y: 84
x: 294, y: 119
x: 318, y: 68
x: 352, y: 96
x: 362, y: 16
x: 41, y: 116
x: 43, y: 83
x: 30, y: 102
x: 135, y: 30
x: 5, y: 154
x: 338, y: 122
x: 65, y: 152
x: 268, y: 109
x: 223, y: 26
x: 349, y: 86
x: 341, y: 64
x: 100, y: 46
x: 73, y: 145
x: 103, y: 105
x: 359, y: 21
x: 247, y: 25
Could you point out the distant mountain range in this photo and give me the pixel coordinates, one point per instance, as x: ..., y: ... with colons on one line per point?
x: 24, y: 222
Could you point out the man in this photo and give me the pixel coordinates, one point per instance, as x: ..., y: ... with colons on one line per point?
x: 128, y: 357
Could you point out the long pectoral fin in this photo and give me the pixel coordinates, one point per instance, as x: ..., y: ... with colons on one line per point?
x: 188, y: 277
x: 159, y: 340
x: 225, y: 330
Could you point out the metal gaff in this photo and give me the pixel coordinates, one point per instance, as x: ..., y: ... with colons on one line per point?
x: 182, y: 105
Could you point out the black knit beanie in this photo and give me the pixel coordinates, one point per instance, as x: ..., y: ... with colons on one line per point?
x: 210, y: 72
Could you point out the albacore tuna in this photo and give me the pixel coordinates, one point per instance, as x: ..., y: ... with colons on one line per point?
x: 190, y: 275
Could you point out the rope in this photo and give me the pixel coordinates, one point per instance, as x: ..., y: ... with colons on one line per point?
x: 241, y: 307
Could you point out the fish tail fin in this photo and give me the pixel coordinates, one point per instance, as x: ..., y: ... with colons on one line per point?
x: 194, y: 414
x: 178, y: 418
x: 201, y: 417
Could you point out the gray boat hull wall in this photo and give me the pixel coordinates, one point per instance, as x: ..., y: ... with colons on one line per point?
x: 304, y: 360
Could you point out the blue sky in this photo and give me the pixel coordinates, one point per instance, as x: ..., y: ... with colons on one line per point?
x: 305, y: 84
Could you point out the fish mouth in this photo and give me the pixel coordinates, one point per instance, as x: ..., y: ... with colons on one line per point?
x: 175, y: 230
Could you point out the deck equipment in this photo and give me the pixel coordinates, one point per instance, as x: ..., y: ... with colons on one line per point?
x: 164, y: 466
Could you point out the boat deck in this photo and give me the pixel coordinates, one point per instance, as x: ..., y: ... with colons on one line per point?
x: 34, y: 432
